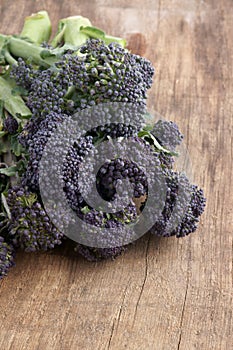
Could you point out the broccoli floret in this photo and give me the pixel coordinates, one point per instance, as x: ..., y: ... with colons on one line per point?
x: 167, y: 133
x: 98, y: 254
x: 30, y: 226
x: 10, y: 125
x: 183, y: 206
x: 104, y: 73
x: 6, y: 257
x: 84, y: 68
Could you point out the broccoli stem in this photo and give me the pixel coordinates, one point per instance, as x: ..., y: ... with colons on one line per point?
x: 69, y: 31
x: 76, y: 30
x: 21, y: 48
x: 72, y: 33
x: 2, y: 41
x: 9, y: 59
x: 18, y: 47
x: 37, y: 27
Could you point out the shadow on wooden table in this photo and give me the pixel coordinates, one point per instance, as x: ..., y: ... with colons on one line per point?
x: 65, y: 258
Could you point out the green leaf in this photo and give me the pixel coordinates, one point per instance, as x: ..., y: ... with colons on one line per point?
x: 108, y: 39
x: 59, y: 37
x: 93, y: 32
x: 143, y: 133
x: 30, y: 199
x: 85, y: 210
x: 16, y: 147
x: 97, y: 33
x: 2, y: 133
x: 13, y: 104
x: 17, y: 108
x: 148, y: 127
x: 2, y: 115
x: 16, y: 169
x: 19, y: 90
x: 21, y: 166
x: 146, y: 134
x: 3, y: 148
x: 10, y: 171
x: 5, y: 205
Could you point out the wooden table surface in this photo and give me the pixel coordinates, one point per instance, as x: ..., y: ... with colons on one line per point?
x: 163, y: 294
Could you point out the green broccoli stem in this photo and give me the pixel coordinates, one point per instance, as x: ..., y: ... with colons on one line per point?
x: 76, y: 30
x: 21, y: 48
x: 68, y: 32
x: 2, y: 41
x: 17, y: 47
x: 72, y: 33
x: 9, y: 59
x: 37, y: 27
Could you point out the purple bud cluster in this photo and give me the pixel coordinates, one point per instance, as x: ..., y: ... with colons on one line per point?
x: 23, y: 73
x: 98, y: 254
x: 46, y: 88
x: 168, y: 134
x: 6, y: 257
x: 183, y: 206
x: 112, y: 174
x: 36, y: 145
x: 101, y: 74
x: 107, y: 73
x: 30, y: 226
x: 10, y: 125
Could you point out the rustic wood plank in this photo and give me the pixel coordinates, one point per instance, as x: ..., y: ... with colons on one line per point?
x: 163, y: 293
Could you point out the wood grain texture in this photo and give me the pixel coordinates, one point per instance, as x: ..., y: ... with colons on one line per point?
x: 163, y: 294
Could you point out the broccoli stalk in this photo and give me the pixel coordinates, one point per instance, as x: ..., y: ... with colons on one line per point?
x: 37, y: 27
x: 72, y: 33
x: 6, y: 257
x: 76, y: 30
x: 68, y: 32
x: 14, y: 46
